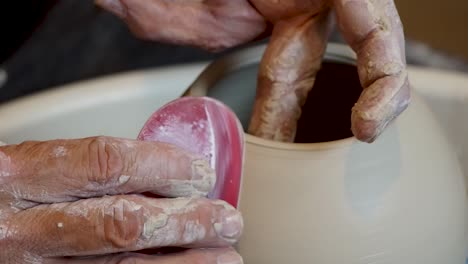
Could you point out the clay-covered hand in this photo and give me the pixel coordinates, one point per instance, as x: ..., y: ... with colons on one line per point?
x: 294, y: 55
x: 209, y: 24
x: 80, y: 201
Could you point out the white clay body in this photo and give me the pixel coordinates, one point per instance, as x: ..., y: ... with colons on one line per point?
x: 400, y: 200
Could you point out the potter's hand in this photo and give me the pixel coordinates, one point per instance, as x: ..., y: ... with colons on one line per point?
x: 209, y: 24
x: 293, y: 57
x: 81, y: 197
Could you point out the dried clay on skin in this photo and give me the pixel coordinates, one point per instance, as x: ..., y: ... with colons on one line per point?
x: 124, y: 179
x: 166, y: 227
x: 154, y: 223
x: 59, y: 151
x: 230, y: 226
x: 30, y: 258
x: 5, y: 166
x: 203, y: 179
x: 193, y: 231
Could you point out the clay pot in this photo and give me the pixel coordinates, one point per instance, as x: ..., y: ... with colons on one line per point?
x: 330, y: 199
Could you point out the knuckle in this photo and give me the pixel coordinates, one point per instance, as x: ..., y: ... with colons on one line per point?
x: 105, y: 161
x: 11, y: 157
x: 123, y: 223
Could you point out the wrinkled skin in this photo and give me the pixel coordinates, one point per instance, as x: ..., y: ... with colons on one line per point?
x: 82, y: 197
x: 298, y: 40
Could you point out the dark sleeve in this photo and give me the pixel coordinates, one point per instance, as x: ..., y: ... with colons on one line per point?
x: 18, y: 19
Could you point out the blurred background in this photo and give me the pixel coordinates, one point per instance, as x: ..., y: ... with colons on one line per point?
x: 47, y: 43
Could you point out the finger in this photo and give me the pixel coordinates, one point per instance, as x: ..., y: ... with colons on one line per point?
x: 66, y: 170
x: 287, y: 74
x: 374, y: 31
x: 125, y: 223
x: 192, y: 256
x: 212, y: 25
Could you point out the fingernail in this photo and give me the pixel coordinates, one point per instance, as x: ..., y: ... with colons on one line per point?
x: 203, y: 176
x: 114, y: 6
x: 229, y: 227
x: 230, y: 258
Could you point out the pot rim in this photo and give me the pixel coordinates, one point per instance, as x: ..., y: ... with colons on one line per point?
x: 335, y: 52
x: 334, y: 144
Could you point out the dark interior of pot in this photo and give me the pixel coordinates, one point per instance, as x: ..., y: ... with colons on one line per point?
x: 326, y: 114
